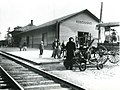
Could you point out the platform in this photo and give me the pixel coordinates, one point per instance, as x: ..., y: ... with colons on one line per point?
x: 32, y: 54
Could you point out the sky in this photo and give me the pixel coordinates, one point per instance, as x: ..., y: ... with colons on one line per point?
x: 20, y: 12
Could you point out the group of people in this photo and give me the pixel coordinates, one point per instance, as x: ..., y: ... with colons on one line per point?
x: 68, y: 49
x: 58, y: 49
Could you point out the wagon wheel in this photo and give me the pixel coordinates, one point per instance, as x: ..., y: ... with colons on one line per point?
x: 82, y: 66
x: 99, y: 66
x: 114, y: 57
x: 101, y: 54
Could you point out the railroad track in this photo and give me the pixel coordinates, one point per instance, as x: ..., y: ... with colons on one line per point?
x: 32, y: 78
x: 7, y: 82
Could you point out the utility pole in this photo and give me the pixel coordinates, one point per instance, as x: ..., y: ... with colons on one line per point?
x: 101, y: 12
x: 100, y: 20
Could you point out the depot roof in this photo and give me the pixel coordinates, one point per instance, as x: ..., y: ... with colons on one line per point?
x: 59, y: 20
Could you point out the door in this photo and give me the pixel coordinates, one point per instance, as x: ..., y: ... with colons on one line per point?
x: 44, y: 38
x: 27, y: 40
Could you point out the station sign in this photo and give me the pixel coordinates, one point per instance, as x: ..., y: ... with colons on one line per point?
x: 83, y: 22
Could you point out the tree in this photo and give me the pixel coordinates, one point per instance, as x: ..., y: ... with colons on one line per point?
x: 8, y: 37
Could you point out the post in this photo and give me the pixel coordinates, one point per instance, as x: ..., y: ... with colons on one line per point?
x: 57, y: 30
x: 100, y: 21
x: 101, y: 11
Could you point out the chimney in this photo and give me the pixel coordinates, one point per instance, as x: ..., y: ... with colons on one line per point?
x: 31, y: 22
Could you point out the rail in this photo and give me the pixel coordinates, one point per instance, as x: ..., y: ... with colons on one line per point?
x: 44, y: 73
x: 11, y: 80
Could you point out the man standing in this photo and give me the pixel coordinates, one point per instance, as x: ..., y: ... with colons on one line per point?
x: 55, y: 48
x: 70, y: 48
x: 41, y: 47
x: 63, y: 49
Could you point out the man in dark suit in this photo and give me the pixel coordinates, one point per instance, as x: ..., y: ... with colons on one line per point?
x: 70, y: 48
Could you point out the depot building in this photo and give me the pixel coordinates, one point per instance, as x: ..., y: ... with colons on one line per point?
x: 75, y: 25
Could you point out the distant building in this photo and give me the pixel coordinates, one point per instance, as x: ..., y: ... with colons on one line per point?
x: 16, y: 33
x: 75, y: 25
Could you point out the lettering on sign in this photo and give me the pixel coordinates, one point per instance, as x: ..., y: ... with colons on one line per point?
x: 83, y: 22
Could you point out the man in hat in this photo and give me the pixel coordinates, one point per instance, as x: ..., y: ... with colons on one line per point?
x: 70, y: 48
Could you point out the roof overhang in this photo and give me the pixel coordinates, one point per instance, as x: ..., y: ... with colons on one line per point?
x: 110, y: 24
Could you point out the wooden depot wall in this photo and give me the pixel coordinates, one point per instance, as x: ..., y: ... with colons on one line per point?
x: 34, y: 37
x: 79, y: 23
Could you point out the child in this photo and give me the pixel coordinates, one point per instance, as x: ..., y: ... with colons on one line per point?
x: 24, y: 46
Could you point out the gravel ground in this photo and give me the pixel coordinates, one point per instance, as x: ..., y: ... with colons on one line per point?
x: 90, y: 79
x: 93, y: 79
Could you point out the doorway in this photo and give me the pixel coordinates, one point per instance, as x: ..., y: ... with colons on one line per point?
x: 83, y: 38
